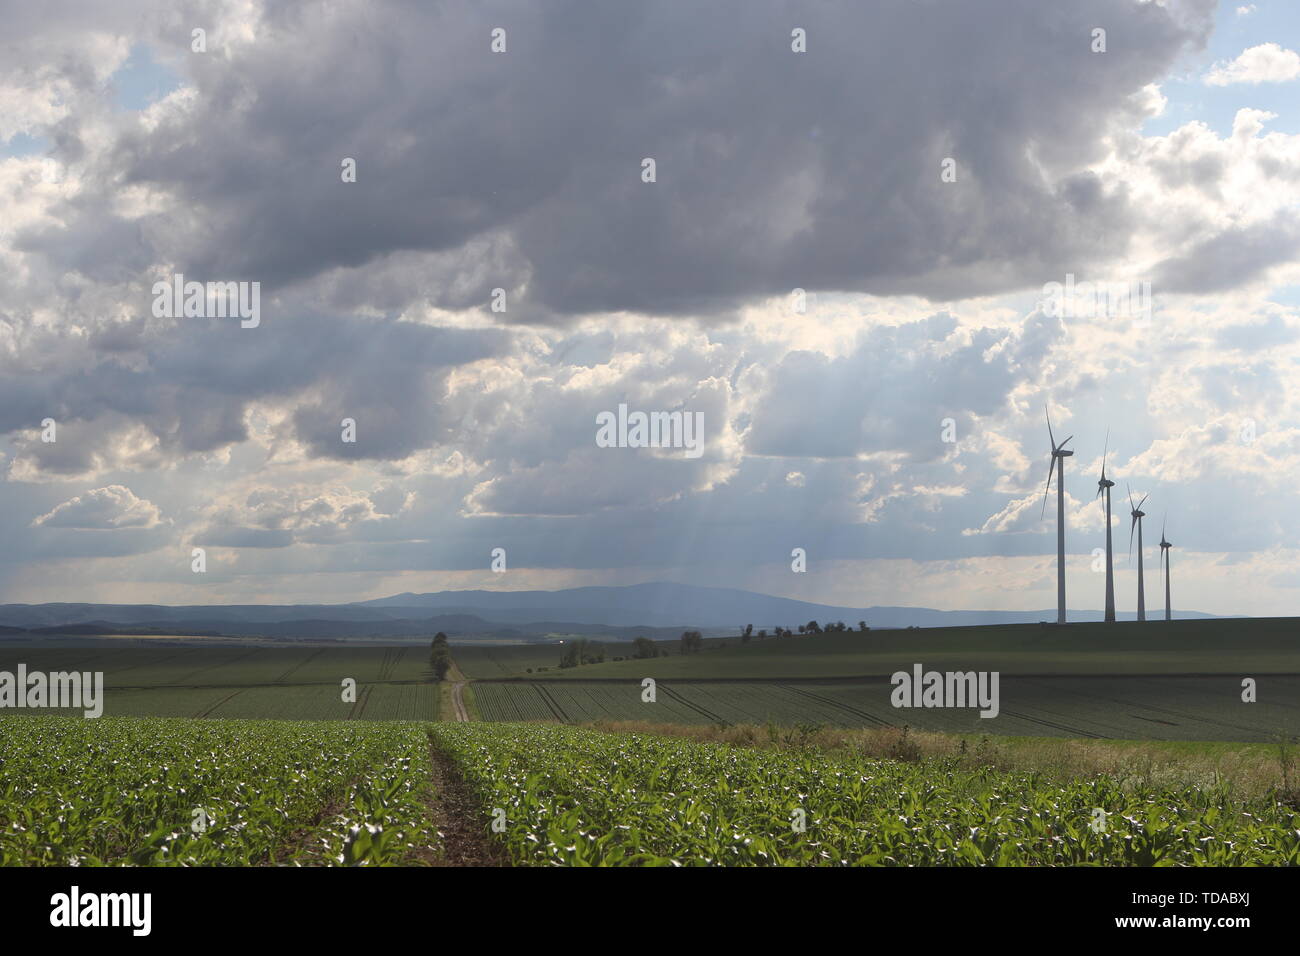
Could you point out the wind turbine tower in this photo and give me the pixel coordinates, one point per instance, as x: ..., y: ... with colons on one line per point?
x: 1103, y: 492
x: 1164, y: 553
x: 1138, y: 514
x: 1059, y: 453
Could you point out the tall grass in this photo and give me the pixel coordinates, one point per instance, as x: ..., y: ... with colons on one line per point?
x: 1244, y: 771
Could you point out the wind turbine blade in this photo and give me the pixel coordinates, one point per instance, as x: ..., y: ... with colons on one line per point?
x: 1131, y: 528
x: 1049, y: 428
x: 1143, y: 501
x: 1105, y: 448
x: 1048, y: 488
x: 1064, y: 442
x: 1130, y: 499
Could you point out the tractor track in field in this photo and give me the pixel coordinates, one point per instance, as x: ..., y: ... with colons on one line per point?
x: 1071, y: 731
x: 673, y: 695
x: 180, y: 681
x: 392, y: 655
x: 831, y: 702
x: 359, y: 706
x: 458, y: 817
x: 220, y: 702
x: 552, y: 704
x: 293, y: 668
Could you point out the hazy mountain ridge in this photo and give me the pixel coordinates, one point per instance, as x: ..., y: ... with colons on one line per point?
x: 655, y: 609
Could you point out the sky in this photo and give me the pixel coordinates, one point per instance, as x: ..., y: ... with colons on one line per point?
x: 849, y: 264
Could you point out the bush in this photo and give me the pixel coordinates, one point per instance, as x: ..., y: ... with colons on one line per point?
x: 904, y: 747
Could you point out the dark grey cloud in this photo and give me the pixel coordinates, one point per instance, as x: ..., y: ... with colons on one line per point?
x: 775, y: 169
x: 189, y: 383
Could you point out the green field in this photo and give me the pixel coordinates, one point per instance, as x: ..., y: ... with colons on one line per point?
x: 578, y: 797
x: 1155, y: 681
x: 1133, y: 708
x: 1230, y: 646
x: 293, y: 683
x: 189, y: 792
x: 195, y: 665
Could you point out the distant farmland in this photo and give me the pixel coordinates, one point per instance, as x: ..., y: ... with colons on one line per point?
x: 1231, y: 646
x: 1179, y: 681
x: 1134, y: 708
x: 294, y: 683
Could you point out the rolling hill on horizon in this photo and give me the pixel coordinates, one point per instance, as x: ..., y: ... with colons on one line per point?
x: 613, y: 611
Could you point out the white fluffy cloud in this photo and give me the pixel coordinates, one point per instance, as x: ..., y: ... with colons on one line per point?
x: 114, y: 506
x: 1266, y: 63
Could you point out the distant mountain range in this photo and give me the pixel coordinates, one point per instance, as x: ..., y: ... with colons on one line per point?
x: 657, y: 610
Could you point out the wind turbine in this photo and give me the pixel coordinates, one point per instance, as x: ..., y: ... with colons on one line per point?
x: 1103, y: 492
x: 1059, y: 453
x: 1138, y: 514
x: 1164, y: 553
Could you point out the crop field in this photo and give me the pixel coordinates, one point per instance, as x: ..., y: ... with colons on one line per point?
x: 508, y: 660
x: 1245, y: 647
x: 294, y: 683
x: 1151, y: 708
x: 159, y: 791
x: 222, y: 666
x: 579, y: 797
x: 288, y: 702
x: 281, y: 770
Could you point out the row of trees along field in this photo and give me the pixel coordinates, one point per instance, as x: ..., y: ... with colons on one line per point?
x: 583, y: 651
x: 812, y: 627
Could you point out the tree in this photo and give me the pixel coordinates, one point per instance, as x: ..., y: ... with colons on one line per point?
x: 583, y: 651
x: 862, y: 626
x: 812, y: 627
x: 440, y: 656
x: 644, y: 648
x: 692, y: 641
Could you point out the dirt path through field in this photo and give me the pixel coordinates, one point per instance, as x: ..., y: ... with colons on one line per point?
x: 458, y: 700
x: 460, y: 820
x: 457, y: 697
